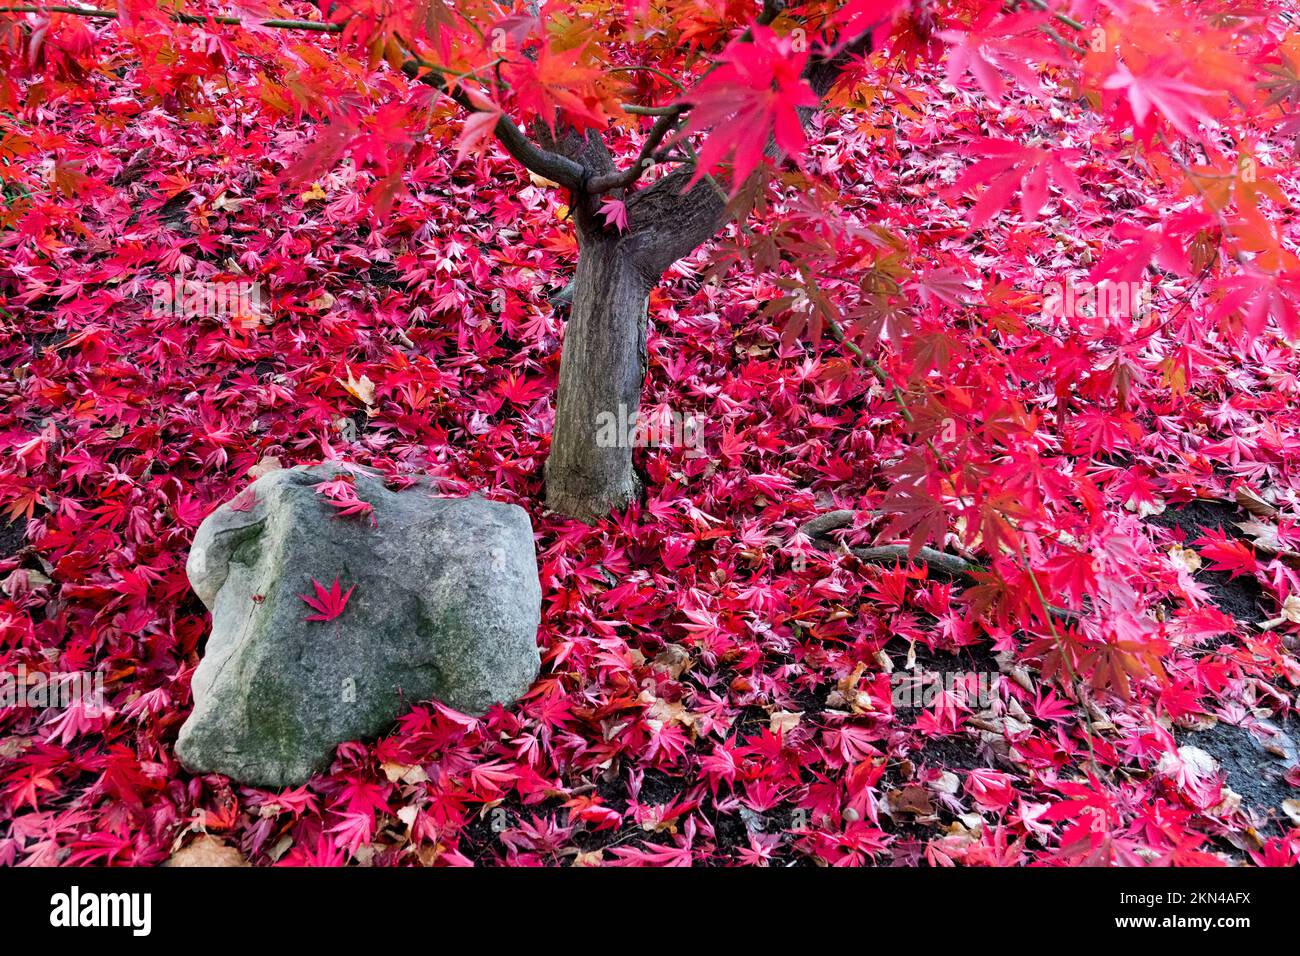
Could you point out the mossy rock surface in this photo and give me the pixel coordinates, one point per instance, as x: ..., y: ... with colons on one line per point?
x: 445, y: 606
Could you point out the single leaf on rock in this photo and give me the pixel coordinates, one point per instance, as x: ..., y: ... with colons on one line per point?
x: 329, y: 602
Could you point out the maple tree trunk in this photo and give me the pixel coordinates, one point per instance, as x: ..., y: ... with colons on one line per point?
x: 602, y: 369
x: 603, y: 362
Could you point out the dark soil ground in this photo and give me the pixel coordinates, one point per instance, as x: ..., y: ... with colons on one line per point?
x: 1240, y: 597
x: 1252, y: 770
x: 1255, y: 773
x: 13, y: 535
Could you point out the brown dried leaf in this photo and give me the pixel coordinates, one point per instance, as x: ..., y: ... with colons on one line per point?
x: 268, y: 464
x: 674, y: 659
x: 207, y: 850
x: 1255, y: 504
x: 784, y: 720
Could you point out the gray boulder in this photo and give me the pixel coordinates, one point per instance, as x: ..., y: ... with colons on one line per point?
x: 445, y: 606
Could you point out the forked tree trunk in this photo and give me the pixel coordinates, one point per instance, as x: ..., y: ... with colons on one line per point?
x: 602, y: 368
x: 603, y: 364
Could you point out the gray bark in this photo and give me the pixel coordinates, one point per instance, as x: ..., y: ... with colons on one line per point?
x: 602, y: 369
x: 603, y: 361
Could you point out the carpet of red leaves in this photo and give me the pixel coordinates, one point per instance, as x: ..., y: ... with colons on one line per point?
x: 714, y: 690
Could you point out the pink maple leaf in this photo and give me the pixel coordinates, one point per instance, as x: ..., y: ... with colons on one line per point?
x: 615, y: 213
x: 341, y: 493
x: 244, y: 501
x: 1155, y: 89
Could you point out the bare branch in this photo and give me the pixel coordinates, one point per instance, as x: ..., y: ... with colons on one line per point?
x: 818, y: 532
x: 665, y: 124
x: 194, y: 18
x: 1069, y: 21
x: 553, y: 166
x: 636, y: 110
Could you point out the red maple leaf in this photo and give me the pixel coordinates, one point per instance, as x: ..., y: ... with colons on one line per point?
x: 341, y: 493
x: 1226, y: 554
x: 244, y: 501
x: 1073, y: 574
x: 479, y: 126
x: 997, y: 44
x: 328, y: 602
x: 858, y: 16
x: 918, y: 513
x: 1156, y: 90
x: 1255, y: 297
x: 558, y: 83
x: 1004, y: 167
x: 753, y: 97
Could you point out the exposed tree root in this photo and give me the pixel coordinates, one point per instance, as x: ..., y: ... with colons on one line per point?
x: 818, y: 531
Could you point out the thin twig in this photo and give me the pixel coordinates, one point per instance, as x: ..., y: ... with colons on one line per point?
x: 1075, y: 684
x: 1068, y: 20
x: 194, y: 18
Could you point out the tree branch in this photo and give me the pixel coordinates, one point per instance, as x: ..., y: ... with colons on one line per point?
x: 194, y: 18
x: 543, y: 162
x: 818, y: 530
x: 771, y: 10
x: 665, y: 124
x: 666, y: 224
